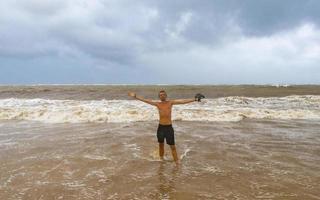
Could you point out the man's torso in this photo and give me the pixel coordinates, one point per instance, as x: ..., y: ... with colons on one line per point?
x: 165, y: 109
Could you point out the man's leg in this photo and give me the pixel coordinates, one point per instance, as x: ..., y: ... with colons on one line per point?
x: 161, y: 150
x: 174, y: 154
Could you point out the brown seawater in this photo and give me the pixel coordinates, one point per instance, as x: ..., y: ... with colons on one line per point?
x: 232, y: 146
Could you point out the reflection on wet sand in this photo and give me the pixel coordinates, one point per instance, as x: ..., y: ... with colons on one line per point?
x: 167, y: 181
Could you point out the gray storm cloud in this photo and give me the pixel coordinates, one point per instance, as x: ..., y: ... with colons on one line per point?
x: 115, y: 41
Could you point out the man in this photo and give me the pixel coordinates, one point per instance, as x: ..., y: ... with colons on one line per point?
x: 165, y: 130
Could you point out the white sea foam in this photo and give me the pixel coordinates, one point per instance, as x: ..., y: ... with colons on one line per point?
x: 281, y: 85
x: 220, y: 109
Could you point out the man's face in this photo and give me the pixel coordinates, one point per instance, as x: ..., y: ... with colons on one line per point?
x: 162, y: 96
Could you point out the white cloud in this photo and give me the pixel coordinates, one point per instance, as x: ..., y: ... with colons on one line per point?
x: 175, y: 30
x: 282, y: 57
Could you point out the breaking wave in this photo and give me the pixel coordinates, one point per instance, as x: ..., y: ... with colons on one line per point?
x: 220, y: 109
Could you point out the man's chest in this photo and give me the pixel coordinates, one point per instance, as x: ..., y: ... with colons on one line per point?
x: 164, y: 108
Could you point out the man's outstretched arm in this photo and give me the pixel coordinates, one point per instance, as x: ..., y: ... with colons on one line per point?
x: 182, y: 101
x: 148, y: 101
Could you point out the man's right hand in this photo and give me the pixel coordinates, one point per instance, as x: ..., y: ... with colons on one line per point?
x: 132, y: 94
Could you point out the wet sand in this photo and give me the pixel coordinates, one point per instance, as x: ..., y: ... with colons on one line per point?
x: 250, y: 159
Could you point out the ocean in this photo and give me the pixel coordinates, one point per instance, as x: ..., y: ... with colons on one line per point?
x: 96, y: 142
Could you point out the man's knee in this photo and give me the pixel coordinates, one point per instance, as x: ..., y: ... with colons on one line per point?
x: 161, y: 145
x: 173, y: 147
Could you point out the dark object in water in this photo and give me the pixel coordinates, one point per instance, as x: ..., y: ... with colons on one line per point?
x: 199, y: 96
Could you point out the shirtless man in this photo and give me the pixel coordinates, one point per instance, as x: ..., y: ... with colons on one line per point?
x: 165, y: 130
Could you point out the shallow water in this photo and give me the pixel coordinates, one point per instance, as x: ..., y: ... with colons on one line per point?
x: 94, y: 142
x: 248, y: 159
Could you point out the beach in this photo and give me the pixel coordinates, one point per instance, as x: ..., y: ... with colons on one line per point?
x: 95, y: 142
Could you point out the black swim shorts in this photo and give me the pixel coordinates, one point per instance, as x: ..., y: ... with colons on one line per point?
x: 165, y: 131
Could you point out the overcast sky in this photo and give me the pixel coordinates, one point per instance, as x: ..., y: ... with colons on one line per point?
x: 159, y: 42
